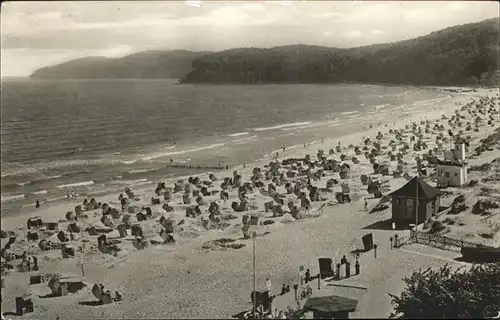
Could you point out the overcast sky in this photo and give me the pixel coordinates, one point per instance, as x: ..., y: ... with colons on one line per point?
x: 36, y: 34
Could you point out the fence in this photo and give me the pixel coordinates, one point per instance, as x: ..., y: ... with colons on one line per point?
x: 403, y: 240
x: 444, y: 242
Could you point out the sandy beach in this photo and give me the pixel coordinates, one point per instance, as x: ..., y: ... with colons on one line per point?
x: 195, y: 278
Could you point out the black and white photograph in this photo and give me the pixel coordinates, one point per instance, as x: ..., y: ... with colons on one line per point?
x: 250, y: 159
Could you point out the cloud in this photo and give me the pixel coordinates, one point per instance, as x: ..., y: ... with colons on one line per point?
x: 37, y: 33
x: 193, y: 3
x: 139, y: 22
x: 253, y: 7
x: 117, y: 52
x: 352, y: 34
x: 48, y: 15
x: 230, y: 16
x: 22, y: 62
x: 457, y: 6
x: 326, y: 15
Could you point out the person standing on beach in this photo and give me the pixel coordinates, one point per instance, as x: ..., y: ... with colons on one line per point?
x: 366, y: 205
x: 268, y: 285
x: 37, y: 204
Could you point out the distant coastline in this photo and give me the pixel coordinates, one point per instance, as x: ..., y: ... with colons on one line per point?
x: 13, y: 78
x: 419, y: 62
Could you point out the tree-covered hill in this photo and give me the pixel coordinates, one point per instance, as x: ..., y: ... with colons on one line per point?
x: 460, y: 55
x: 152, y: 64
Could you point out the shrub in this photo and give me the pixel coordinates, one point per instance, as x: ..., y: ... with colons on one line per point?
x: 447, y: 294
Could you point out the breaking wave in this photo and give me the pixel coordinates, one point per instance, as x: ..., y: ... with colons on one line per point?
x: 166, y: 154
x: 13, y: 197
x: 77, y: 184
x: 281, y: 126
x: 349, y: 112
x: 238, y: 134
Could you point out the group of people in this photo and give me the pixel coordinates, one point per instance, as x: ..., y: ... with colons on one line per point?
x: 70, y: 194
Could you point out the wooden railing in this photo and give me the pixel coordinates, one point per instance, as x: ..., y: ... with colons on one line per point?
x: 444, y: 242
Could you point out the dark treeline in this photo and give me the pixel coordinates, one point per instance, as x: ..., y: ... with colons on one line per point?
x: 460, y: 55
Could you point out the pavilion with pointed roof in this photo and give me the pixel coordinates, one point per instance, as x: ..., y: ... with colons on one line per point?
x: 330, y: 307
x: 404, y: 202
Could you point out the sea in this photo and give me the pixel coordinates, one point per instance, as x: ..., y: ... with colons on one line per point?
x: 97, y: 136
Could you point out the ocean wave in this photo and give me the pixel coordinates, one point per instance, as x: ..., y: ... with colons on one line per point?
x: 40, y: 169
x: 142, y: 183
x: 17, y: 171
x: 40, y: 192
x: 55, y: 199
x: 31, y: 182
x: 130, y: 182
x: 244, y: 139
x: 381, y: 106
x: 403, y: 106
x: 52, y: 177
x: 141, y: 170
x: 129, y: 162
x: 77, y: 184
x: 352, y: 116
x: 166, y: 154
x: 11, y: 198
x: 349, y: 112
x: 312, y: 125
x: 423, y: 103
x: 281, y: 126
x: 238, y: 134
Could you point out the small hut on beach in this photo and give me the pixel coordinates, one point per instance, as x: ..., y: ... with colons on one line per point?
x: 330, y: 307
x: 404, y: 202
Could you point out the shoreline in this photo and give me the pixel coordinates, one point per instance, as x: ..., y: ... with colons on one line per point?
x: 189, y: 281
x: 27, y: 209
x: 99, y: 184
